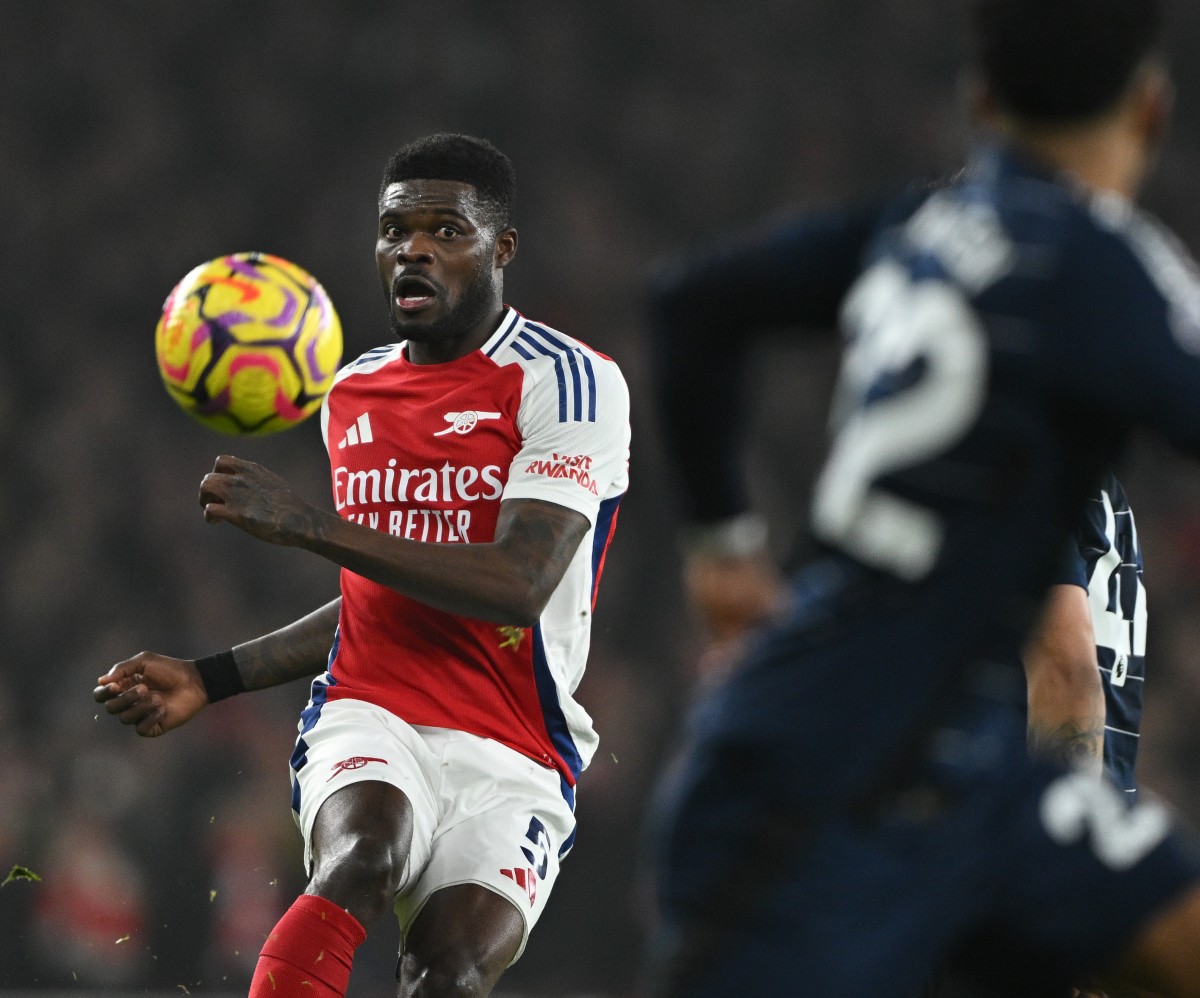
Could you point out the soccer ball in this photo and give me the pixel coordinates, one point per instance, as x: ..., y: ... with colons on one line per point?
x: 248, y: 344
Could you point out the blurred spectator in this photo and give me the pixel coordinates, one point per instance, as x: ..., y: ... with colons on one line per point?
x: 90, y: 915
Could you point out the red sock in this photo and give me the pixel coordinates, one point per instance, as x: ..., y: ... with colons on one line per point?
x: 308, y: 954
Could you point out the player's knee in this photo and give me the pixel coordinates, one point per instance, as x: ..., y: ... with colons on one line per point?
x: 444, y: 977
x: 363, y: 865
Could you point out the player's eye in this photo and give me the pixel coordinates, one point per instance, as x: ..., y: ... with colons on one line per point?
x: 447, y: 232
x: 392, y: 231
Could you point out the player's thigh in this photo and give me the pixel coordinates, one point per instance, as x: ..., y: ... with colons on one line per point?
x: 368, y: 819
x: 351, y: 743
x: 505, y: 827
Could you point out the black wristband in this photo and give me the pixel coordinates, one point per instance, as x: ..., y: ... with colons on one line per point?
x: 220, y: 676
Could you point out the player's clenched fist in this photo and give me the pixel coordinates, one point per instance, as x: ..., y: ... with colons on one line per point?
x: 255, y: 499
x: 152, y: 692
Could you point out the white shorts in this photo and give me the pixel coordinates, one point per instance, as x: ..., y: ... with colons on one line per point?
x: 482, y: 812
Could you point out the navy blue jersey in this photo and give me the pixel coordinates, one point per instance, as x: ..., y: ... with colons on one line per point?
x: 1002, y: 338
x: 856, y: 802
x: 1105, y: 559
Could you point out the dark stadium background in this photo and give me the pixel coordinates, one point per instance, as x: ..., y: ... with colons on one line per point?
x: 138, y: 139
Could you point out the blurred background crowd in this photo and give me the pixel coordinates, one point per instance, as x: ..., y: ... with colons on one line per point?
x: 141, y: 138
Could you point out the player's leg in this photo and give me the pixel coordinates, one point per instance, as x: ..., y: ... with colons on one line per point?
x: 504, y: 826
x: 360, y: 794
x: 1165, y: 956
x: 1110, y: 888
x: 462, y: 941
x: 359, y: 844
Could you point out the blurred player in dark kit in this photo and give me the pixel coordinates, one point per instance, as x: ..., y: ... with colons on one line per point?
x: 856, y: 801
x: 477, y: 467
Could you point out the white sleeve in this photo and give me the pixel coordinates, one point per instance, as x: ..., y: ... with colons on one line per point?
x: 572, y: 456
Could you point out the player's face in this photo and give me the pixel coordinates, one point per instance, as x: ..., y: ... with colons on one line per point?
x: 440, y: 261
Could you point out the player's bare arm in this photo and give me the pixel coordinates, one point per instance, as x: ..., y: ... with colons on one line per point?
x: 156, y: 693
x: 1066, y: 696
x: 508, y: 580
x: 298, y: 651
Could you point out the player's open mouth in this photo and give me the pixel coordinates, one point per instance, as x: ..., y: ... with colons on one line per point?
x: 413, y: 294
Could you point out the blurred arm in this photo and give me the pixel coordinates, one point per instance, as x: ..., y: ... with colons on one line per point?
x: 1065, y: 692
x: 706, y: 311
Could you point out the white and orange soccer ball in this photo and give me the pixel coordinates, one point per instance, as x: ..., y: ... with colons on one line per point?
x: 248, y: 344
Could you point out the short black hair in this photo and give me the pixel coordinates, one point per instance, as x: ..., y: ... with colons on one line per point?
x: 1062, y: 61
x: 465, y: 158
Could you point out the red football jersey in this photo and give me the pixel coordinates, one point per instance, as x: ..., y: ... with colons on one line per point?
x: 428, y: 452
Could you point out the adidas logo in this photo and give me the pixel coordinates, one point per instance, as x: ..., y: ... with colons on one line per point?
x: 525, y: 879
x: 358, y: 433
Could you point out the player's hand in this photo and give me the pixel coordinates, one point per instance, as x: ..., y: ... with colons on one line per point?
x: 732, y: 593
x: 256, y: 500
x: 152, y: 692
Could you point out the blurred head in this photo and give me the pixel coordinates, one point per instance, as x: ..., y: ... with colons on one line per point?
x: 1062, y: 61
x: 1049, y: 69
x: 444, y: 238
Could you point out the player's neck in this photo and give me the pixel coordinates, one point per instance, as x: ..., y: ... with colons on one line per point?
x: 1099, y: 156
x: 1113, y: 151
x: 444, y: 349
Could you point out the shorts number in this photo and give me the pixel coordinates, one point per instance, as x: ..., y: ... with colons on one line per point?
x: 539, y: 855
x: 912, y: 384
x: 1079, y: 804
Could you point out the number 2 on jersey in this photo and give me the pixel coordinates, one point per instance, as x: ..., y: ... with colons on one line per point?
x: 912, y: 384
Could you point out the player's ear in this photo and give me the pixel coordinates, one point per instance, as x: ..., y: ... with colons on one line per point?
x: 977, y: 99
x: 1155, y: 96
x: 505, y: 248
